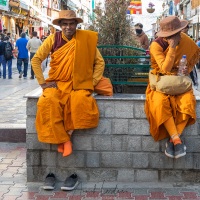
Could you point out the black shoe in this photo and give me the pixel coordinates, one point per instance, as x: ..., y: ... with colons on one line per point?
x: 180, y: 150
x: 169, y: 151
x: 70, y: 182
x: 50, y: 181
x: 31, y: 78
x: 20, y: 74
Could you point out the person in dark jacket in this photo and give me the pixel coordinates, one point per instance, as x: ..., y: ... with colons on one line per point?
x: 1, y: 51
x: 141, y: 36
x: 7, y: 60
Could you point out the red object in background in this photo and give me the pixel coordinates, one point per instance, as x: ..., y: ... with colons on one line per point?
x: 147, y: 52
x: 0, y: 25
x: 41, y: 32
x: 176, y: 2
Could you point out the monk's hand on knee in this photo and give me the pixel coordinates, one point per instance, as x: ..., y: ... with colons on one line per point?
x: 51, y: 84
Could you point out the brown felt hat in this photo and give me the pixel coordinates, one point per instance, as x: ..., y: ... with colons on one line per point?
x: 66, y: 14
x: 170, y: 26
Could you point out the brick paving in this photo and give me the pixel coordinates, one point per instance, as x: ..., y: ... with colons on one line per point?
x: 13, y: 185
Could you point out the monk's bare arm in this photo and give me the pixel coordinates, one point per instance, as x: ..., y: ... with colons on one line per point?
x: 39, y: 56
x: 99, y: 66
x: 164, y: 62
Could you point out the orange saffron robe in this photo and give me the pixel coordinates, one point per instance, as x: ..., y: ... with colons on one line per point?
x: 160, y: 107
x: 71, y: 105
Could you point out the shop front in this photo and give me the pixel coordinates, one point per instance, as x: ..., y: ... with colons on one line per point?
x: 4, y: 21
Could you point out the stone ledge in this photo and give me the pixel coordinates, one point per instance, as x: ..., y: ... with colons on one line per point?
x: 119, y: 149
x: 35, y: 94
x: 13, y: 134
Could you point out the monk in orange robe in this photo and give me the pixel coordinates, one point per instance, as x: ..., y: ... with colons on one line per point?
x: 67, y: 103
x: 168, y: 115
x: 76, y: 67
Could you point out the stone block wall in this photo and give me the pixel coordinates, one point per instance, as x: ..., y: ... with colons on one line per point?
x: 119, y: 149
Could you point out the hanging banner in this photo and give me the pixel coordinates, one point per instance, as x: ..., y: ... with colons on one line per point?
x: 4, y: 5
x: 135, y: 7
x: 176, y: 2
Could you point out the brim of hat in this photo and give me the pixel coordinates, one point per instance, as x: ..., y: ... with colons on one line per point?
x: 56, y: 21
x: 184, y: 23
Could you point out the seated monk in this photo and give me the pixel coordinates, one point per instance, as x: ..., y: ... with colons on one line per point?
x: 66, y: 104
x: 168, y: 115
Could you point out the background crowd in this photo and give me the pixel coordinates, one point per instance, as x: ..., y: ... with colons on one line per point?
x: 25, y: 53
x: 22, y: 49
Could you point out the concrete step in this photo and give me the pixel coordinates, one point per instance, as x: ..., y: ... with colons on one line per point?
x: 13, y: 133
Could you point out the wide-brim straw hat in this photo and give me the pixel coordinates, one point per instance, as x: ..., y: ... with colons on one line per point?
x: 170, y: 26
x: 66, y: 14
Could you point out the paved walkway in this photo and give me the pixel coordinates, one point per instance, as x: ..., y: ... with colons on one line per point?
x: 13, y: 162
x: 13, y: 184
x: 12, y: 103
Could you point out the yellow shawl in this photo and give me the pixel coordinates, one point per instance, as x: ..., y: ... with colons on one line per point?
x: 77, y: 55
x: 86, y: 43
x: 62, y: 62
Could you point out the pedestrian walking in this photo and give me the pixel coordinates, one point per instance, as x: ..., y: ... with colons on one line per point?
x: 22, y: 57
x: 32, y: 46
x: 44, y: 62
x: 7, y: 57
x: 1, y: 51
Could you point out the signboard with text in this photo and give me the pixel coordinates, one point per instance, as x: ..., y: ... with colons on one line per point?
x: 4, y: 4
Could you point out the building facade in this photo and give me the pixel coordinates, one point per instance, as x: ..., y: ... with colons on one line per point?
x: 17, y: 16
x: 184, y: 9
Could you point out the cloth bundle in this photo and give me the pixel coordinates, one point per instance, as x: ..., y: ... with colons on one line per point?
x: 170, y: 84
x: 104, y: 87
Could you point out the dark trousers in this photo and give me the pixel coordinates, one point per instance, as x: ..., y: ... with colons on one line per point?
x: 194, y: 76
x: 20, y: 61
x: 198, y: 65
x: 32, y: 72
x: 4, y: 63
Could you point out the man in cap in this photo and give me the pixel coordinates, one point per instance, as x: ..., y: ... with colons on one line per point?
x: 76, y: 67
x: 168, y: 115
x: 141, y: 36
